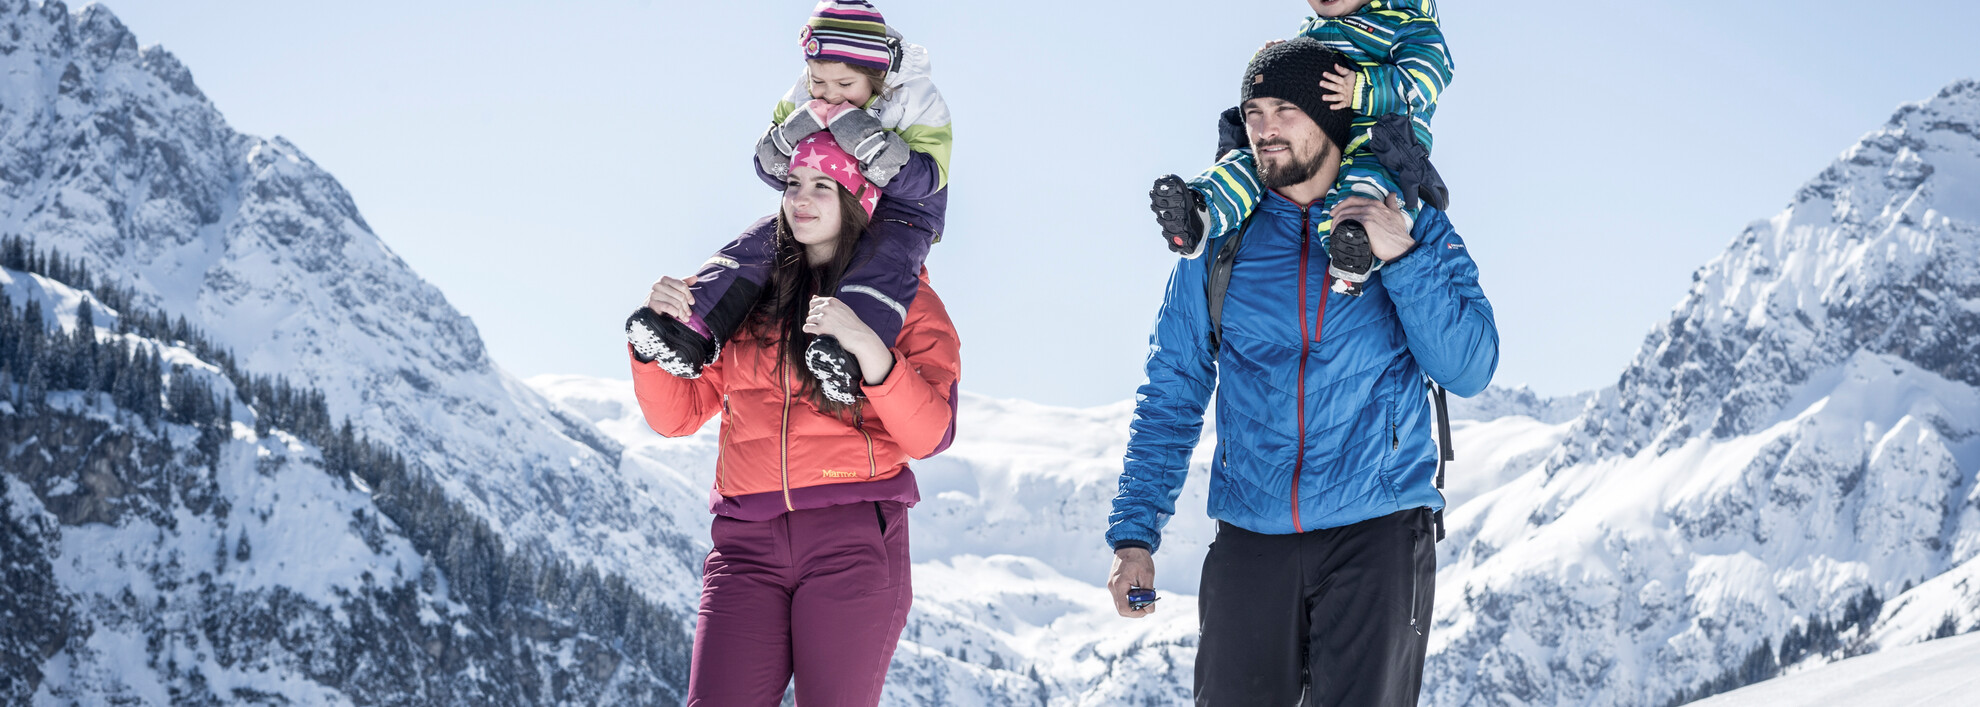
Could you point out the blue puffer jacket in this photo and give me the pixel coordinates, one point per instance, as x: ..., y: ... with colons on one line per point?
x: 1322, y: 407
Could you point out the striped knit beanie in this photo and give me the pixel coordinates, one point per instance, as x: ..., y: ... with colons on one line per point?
x: 821, y: 152
x: 850, y: 31
x: 1291, y: 71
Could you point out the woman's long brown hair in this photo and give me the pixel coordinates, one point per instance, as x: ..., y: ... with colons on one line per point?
x: 779, y: 315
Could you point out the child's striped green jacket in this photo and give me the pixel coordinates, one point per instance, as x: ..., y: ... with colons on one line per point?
x: 1404, y: 69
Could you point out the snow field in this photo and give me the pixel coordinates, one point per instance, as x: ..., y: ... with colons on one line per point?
x: 1937, y: 672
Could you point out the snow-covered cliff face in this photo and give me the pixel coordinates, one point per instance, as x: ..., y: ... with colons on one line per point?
x: 162, y: 542
x: 1785, y: 459
x: 1875, y: 255
x: 109, y: 152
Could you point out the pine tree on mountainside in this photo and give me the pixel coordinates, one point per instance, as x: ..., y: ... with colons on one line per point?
x: 86, y: 353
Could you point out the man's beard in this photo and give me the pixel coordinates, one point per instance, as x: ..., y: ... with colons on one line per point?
x: 1295, y: 170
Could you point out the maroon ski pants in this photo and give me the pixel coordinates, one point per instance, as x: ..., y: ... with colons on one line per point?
x: 818, y: 594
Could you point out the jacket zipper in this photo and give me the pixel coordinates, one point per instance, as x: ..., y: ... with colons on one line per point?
x: 1305, y: 346
x: 784, y: 440
x: 859, y: 423
x: 722, y: 446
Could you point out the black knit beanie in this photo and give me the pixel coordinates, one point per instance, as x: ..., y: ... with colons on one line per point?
x: 1291, y: 71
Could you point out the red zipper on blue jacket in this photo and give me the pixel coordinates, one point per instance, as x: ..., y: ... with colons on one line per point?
x: 1305, y: 346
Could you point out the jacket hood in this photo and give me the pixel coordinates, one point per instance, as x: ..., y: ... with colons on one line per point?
x: 914, y: 63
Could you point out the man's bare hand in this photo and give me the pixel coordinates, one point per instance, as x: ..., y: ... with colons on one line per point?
x: 1388, y: 228
x: 1133, y: 567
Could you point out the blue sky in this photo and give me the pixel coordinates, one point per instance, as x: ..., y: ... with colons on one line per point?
x: 543, y: 162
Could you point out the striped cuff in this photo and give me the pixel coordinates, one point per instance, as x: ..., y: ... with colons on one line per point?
x: 1230, y: 191
x: 1361, y: 96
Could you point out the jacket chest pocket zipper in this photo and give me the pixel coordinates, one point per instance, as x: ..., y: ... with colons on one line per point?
x: 722, y: 442
x: 859, y: 423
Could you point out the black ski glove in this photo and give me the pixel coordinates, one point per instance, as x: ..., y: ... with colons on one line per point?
x: 880, y: 152
x: 1180, y: 211
x: 1393, y: 140
x: 1230, y: 132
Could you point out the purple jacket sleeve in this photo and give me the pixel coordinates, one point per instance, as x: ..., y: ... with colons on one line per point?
x: 918, y: 179
x: 774, y: 181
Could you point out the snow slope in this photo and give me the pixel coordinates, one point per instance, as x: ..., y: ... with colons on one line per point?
x: 1937, y: 672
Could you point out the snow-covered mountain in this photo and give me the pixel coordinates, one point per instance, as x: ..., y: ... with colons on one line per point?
x: 1784, y: 475
x: 1502, y: 432
x: 165, y: 538
x: 110, y: 154
x: 1498, y: 402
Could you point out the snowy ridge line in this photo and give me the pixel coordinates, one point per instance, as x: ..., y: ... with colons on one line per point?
x: 1498, y: 402
x: 64, y: 373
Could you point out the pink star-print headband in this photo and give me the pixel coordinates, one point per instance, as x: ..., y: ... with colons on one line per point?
x: 822, y: 153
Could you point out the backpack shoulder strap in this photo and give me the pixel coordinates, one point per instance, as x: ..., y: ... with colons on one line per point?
x: 1445, y: 453
x: 1219, y: 280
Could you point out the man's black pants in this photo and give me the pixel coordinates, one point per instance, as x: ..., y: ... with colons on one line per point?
x: 1341, y: 616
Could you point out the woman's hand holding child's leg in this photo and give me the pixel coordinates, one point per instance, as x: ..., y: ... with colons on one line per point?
x: 831, y: 317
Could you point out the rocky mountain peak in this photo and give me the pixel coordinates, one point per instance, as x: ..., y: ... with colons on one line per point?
x: 1880, y: 253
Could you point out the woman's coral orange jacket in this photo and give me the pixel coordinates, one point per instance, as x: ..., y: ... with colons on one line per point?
x: 773, y: 440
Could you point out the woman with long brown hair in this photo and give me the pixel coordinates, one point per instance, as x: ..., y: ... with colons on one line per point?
x: 808, y: 577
